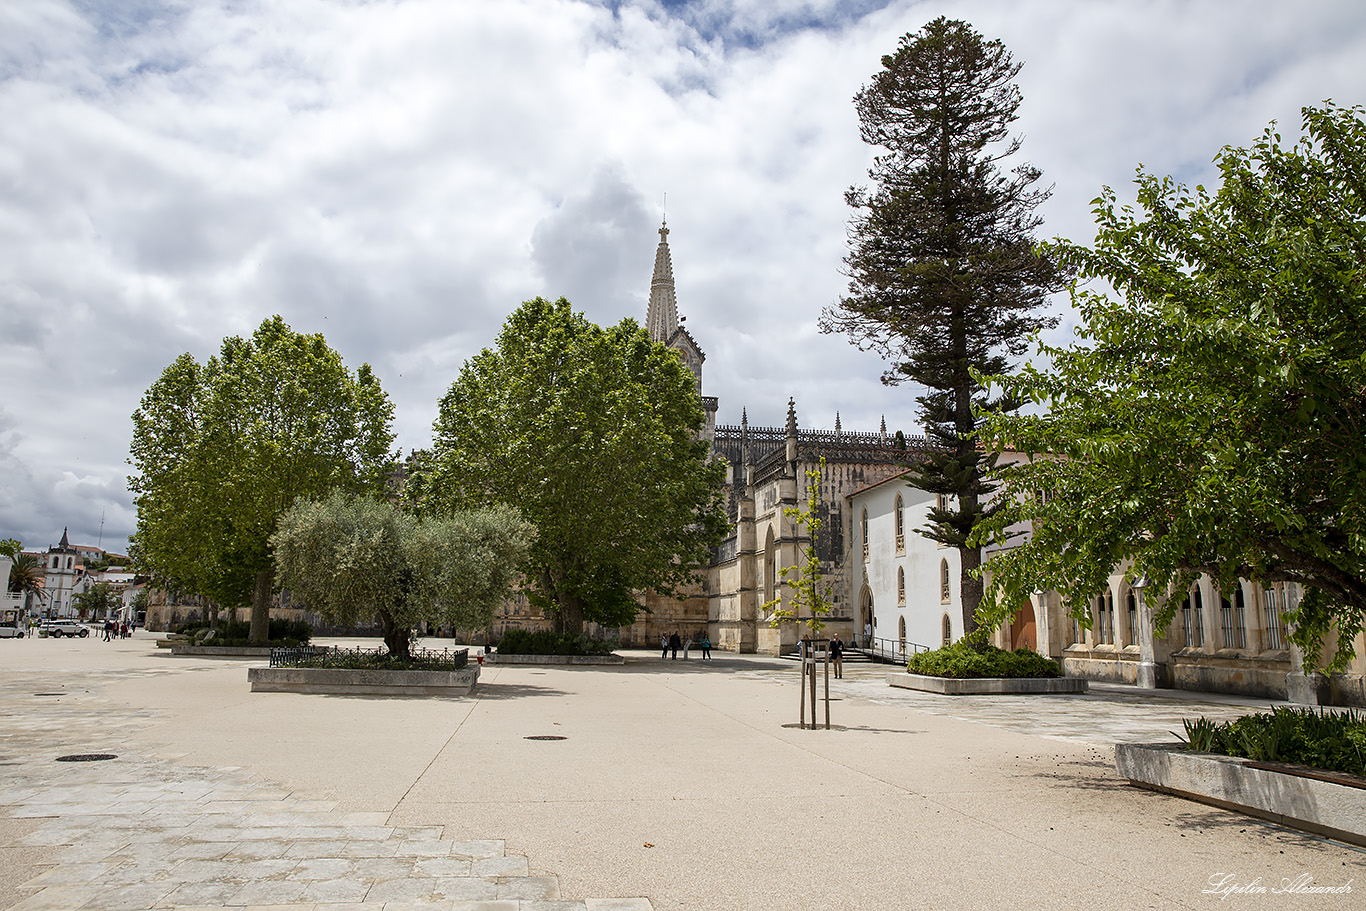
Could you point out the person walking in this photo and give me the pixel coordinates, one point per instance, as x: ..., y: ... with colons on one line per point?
x: 706, y: 647
x: 868, y: 635
x: 674, y: 643
x: 837, y: 655
x: 663, y: 646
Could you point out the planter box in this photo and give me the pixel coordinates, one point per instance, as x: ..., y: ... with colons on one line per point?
x: 221, y: 651
x: 1325, y: 803
x: 553, y: 659
x: 363, y: 682
x: 987, y: 686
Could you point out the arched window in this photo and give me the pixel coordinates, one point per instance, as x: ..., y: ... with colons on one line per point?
x: 1271, y: 599
x: 68, y: 562
x: 1230, y: 639
x: 864, y: 534
x: 948, y: 630
x: 1193, y: 615
x: 900, y: 525
x: 1240, y: 617
x: 56, y: 562
x: 900, y: 586
x: 1133, y: 617
x: 901, y: 633
x: 945, y: 592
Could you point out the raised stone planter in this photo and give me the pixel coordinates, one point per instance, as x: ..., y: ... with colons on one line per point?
x: 1325, y: 803
x: 495, y: 658
x: 221, y: 651
x: 363, y: 682
x: 987, y: 686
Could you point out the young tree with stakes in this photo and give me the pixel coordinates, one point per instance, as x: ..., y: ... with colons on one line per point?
x: 944, y: 276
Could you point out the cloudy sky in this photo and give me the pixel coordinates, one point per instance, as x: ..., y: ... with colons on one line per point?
x: 400, y: 174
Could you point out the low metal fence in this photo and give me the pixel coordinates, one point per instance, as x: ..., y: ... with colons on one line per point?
x: 422, y: 659
x: 890, y: 651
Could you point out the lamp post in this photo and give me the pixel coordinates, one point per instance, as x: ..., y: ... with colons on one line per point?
x: 1148, y: 671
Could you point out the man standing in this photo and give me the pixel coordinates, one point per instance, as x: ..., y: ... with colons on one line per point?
x: 674, y: 643
x: 663, y: 646
x: 837, y: 655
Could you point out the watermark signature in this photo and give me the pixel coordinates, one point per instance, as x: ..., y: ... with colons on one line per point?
x: 1226, y: 884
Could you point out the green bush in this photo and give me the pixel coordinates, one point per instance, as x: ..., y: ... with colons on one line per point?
x: 1335, y: 741
x: 962, y: 660
x: 544, y: 642
x: 282, y: 633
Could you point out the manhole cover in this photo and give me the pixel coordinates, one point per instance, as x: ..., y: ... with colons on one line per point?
x: 545, y: 737
x: 86, y: 757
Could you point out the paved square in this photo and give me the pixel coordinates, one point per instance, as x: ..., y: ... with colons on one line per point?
x: 678, y: 785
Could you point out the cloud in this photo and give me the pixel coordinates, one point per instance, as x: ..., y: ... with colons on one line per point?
x: 400, y: 174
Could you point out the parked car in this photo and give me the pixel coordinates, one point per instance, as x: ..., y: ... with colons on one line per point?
x: 9, y: 629
x: 69, y: 628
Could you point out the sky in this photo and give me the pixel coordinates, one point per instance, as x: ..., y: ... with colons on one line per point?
x: 400, y: 174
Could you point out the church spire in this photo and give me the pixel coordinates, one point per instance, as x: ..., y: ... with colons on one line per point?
x: 661, y: 320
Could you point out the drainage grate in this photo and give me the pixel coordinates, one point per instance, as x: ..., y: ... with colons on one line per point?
x: 545, y: 737
x: 49, y: 694
x: 86, y: 757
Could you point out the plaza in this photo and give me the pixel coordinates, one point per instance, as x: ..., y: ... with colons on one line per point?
x: 670, y: 784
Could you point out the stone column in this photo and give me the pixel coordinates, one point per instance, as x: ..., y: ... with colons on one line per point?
x: 1151, y: 674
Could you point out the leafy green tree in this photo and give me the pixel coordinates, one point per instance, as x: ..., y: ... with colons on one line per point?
x: 944, y: 276
x: 222, y: 449
x: 11, y: 547
x: 1211, y: 418
x: 352, y: 558
x: 592, y: 435
x: 97, y: 601
x: 27, y: 575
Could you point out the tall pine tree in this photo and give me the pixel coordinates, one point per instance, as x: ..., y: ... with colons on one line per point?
x: 944, y: 276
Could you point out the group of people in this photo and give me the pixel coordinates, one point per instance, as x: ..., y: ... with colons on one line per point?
x: 116, y: 630
x: 672, y: 643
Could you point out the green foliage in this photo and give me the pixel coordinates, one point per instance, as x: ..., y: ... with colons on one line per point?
x: 547, y: 642
x: 1211, y: 418
x: 965, y: 659
x: 1324, y: 740
x: 11, y: 547
x: 221, y: 450
x: 379, y: 659
x: 352, y: 558
x: 27, y: 574
x: 283, y: 633
x: 592, y: 434
x: 812, y: 597
x: 944, y: 275
x: 97, y: 601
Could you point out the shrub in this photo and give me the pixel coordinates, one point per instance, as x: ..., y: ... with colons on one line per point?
x: 284, y: 633
x: 544, y: 642
x: 962, y: 660
x: 1325, y: 740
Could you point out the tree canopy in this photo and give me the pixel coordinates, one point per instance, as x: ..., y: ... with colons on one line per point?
x: 1212, y: 416
x: 352, y: 558
x: 98, y: 601
x: 944, y: 276
x: 592, y: 435
x: 221, y: 450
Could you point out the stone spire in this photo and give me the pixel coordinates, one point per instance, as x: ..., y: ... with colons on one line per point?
x: 65, y: 543
x: 837, y: 423
x: 662, y: 318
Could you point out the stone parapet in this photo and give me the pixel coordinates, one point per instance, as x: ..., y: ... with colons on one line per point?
x: 987, y: 686
x: 1325, y: 803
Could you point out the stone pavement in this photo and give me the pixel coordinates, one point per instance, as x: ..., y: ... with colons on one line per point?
x: 673, y: 785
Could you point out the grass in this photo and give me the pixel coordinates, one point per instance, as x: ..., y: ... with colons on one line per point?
x: 1331, y: 741
x: 961, y: 660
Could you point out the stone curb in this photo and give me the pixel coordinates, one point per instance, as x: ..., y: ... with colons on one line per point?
x: 987, y: 686
x: 553, y: 659
x: 362, y: 682
x: 1281, y: 796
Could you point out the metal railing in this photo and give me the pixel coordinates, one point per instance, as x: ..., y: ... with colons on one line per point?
x: 424, y: 659
x: 889, y: 651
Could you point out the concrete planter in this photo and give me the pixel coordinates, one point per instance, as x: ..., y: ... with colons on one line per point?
x: 553, y: 659
x: 1325, y: 803
x: 987, y: 686
x: 363, y: 682
x: 221, y: 651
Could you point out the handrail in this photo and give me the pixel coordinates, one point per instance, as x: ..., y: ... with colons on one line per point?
x: 889, y: 651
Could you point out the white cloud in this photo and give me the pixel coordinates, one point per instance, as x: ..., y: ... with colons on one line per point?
x: 399, y: 175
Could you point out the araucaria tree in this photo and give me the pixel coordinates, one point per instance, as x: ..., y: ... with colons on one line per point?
x: 221, y: 450
x: 353, y: 558
x: 944, y: 276
x: 592, y: 435
x: 1213, y: 417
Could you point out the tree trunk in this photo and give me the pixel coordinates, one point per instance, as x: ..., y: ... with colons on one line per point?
x: 970, y: 587
x: 398, y: 639
x: 569, y: 619
x: 259, y: 633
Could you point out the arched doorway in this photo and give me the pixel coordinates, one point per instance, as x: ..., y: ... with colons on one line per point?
x: 770, y: 569
x: 865, y: 616
x: 1022, y: 632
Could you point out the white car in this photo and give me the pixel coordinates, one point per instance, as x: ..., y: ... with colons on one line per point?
x: 11, y: 630
x: 58, y: 628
